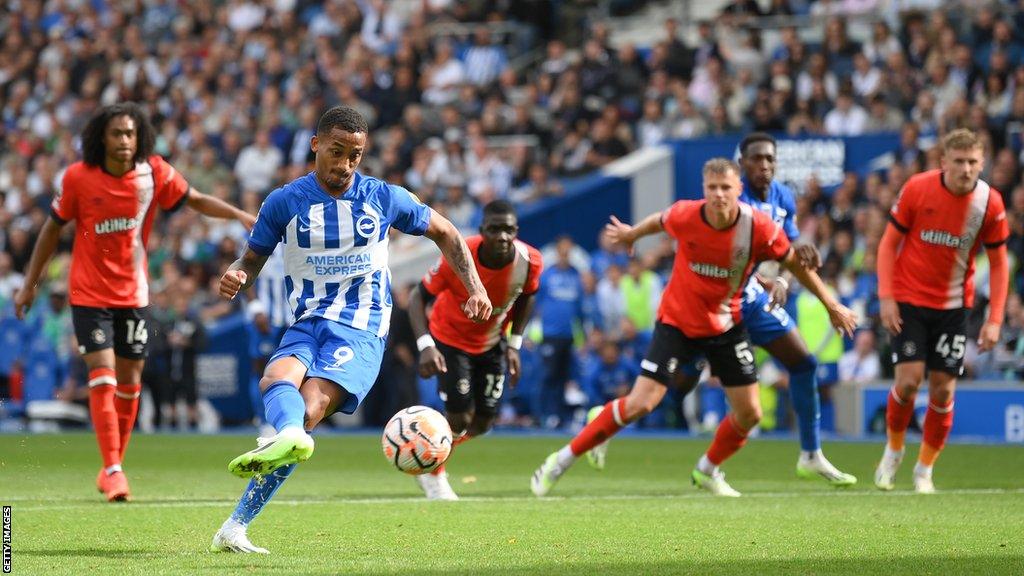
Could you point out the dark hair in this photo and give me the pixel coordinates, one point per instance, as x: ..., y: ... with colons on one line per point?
x: 342, y: 117
x: 754, y: 138
x: 93, y: 150
x: 499, y: 207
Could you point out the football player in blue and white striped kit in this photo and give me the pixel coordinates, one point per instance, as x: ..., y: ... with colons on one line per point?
x: 333, y: 224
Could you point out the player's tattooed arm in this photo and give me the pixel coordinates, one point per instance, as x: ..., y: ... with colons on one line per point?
x: 242, y: 273
x: 456, y: 252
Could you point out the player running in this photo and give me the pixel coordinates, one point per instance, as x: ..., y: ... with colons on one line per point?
x: 112, y: 195
x: 719, y: 242
x: 926, y: 286
x: 768, y: 324
x: 470, y: 359
x: 333, y: 224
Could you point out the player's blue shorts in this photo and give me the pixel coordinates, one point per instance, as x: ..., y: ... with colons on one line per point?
x: 764, y: 323
x: 347, y: 356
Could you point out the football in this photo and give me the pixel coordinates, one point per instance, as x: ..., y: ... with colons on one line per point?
x: 417, y: 440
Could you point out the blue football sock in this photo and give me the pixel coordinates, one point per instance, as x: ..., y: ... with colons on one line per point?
x: 828, y: 416
x: 283, y: 405
x: 260, y: 490
x: 803, y: 389
x: 256, y: 399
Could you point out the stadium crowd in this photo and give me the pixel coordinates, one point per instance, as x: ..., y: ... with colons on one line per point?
x: 472, y: 101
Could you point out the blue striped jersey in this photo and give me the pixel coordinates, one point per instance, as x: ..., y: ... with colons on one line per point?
x: 336, y: 249
x: 271, y: 290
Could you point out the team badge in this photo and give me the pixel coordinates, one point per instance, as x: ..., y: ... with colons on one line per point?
x: 909, y: 349
x: 673, y: 363
x: 463, y: 386
x: 98, y: 336
x: 367, y: 226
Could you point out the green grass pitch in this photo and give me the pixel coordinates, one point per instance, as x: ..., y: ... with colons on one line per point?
x: 346, y: 511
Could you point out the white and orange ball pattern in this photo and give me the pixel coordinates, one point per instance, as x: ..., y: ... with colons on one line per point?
x: 417, y: 440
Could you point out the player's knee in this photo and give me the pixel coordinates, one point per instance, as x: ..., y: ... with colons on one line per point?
x: 459, y: 422
x: 940, y: 396
x: 266, y: 382
x: 806, y: 364
x: 749, y: 416
x: 907, y: 387
x: 316, y: 409
x: 640, y: 405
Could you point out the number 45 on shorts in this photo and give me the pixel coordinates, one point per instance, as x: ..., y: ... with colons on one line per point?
x: 954, y: 347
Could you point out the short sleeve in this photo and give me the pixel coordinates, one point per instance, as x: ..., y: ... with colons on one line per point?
x: 902, y: 213
x: 995, y: 230
x: 789, y: 222
x: 271, y: 222
x: 534, y: 272
x: 770, y: 242
x: 64, y: 207
x: 672, y: 218
x: 406, y: 212
x: 171, y: 187
x: 436, y: 279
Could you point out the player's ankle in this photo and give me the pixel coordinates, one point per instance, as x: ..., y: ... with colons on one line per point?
x: 705, y: 466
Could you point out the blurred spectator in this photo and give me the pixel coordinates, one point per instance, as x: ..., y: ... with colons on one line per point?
x: 484, y: 61
x: 257, y: 164
x: 558, y: 307
x: 641, y: 294
x: 611, y: 377
x: 861, y: 365
x: 847, y: 118
x: 186, y: 336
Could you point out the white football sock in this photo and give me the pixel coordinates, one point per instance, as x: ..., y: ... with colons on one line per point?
x: 565, y: 457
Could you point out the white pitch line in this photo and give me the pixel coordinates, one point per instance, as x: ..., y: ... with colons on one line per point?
x: 206, y: 503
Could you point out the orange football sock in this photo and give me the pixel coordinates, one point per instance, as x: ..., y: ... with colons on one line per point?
x: 102, y: 384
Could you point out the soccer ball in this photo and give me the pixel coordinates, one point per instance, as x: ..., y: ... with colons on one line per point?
x: 417, y: 440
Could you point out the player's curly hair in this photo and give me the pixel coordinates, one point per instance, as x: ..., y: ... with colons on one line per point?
x: 342, y: 117
x: 93, y: 150
x: 754, y: 138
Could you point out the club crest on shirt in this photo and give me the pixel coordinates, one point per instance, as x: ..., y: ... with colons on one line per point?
x: 367, y: 226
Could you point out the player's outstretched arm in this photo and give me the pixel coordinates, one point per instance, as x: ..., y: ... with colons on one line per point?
x: 624, y: 234
x: 241, y: 274
x: 456, y: 252
x: 45, y: 246
x: 431, y: 359
x: 217, y: 208
x: 999, y: 284
x: 521, y: 312
x: 842, y: 318
x: 889, y: 311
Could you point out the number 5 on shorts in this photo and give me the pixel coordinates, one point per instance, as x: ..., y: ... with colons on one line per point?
x: 743, y: 354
